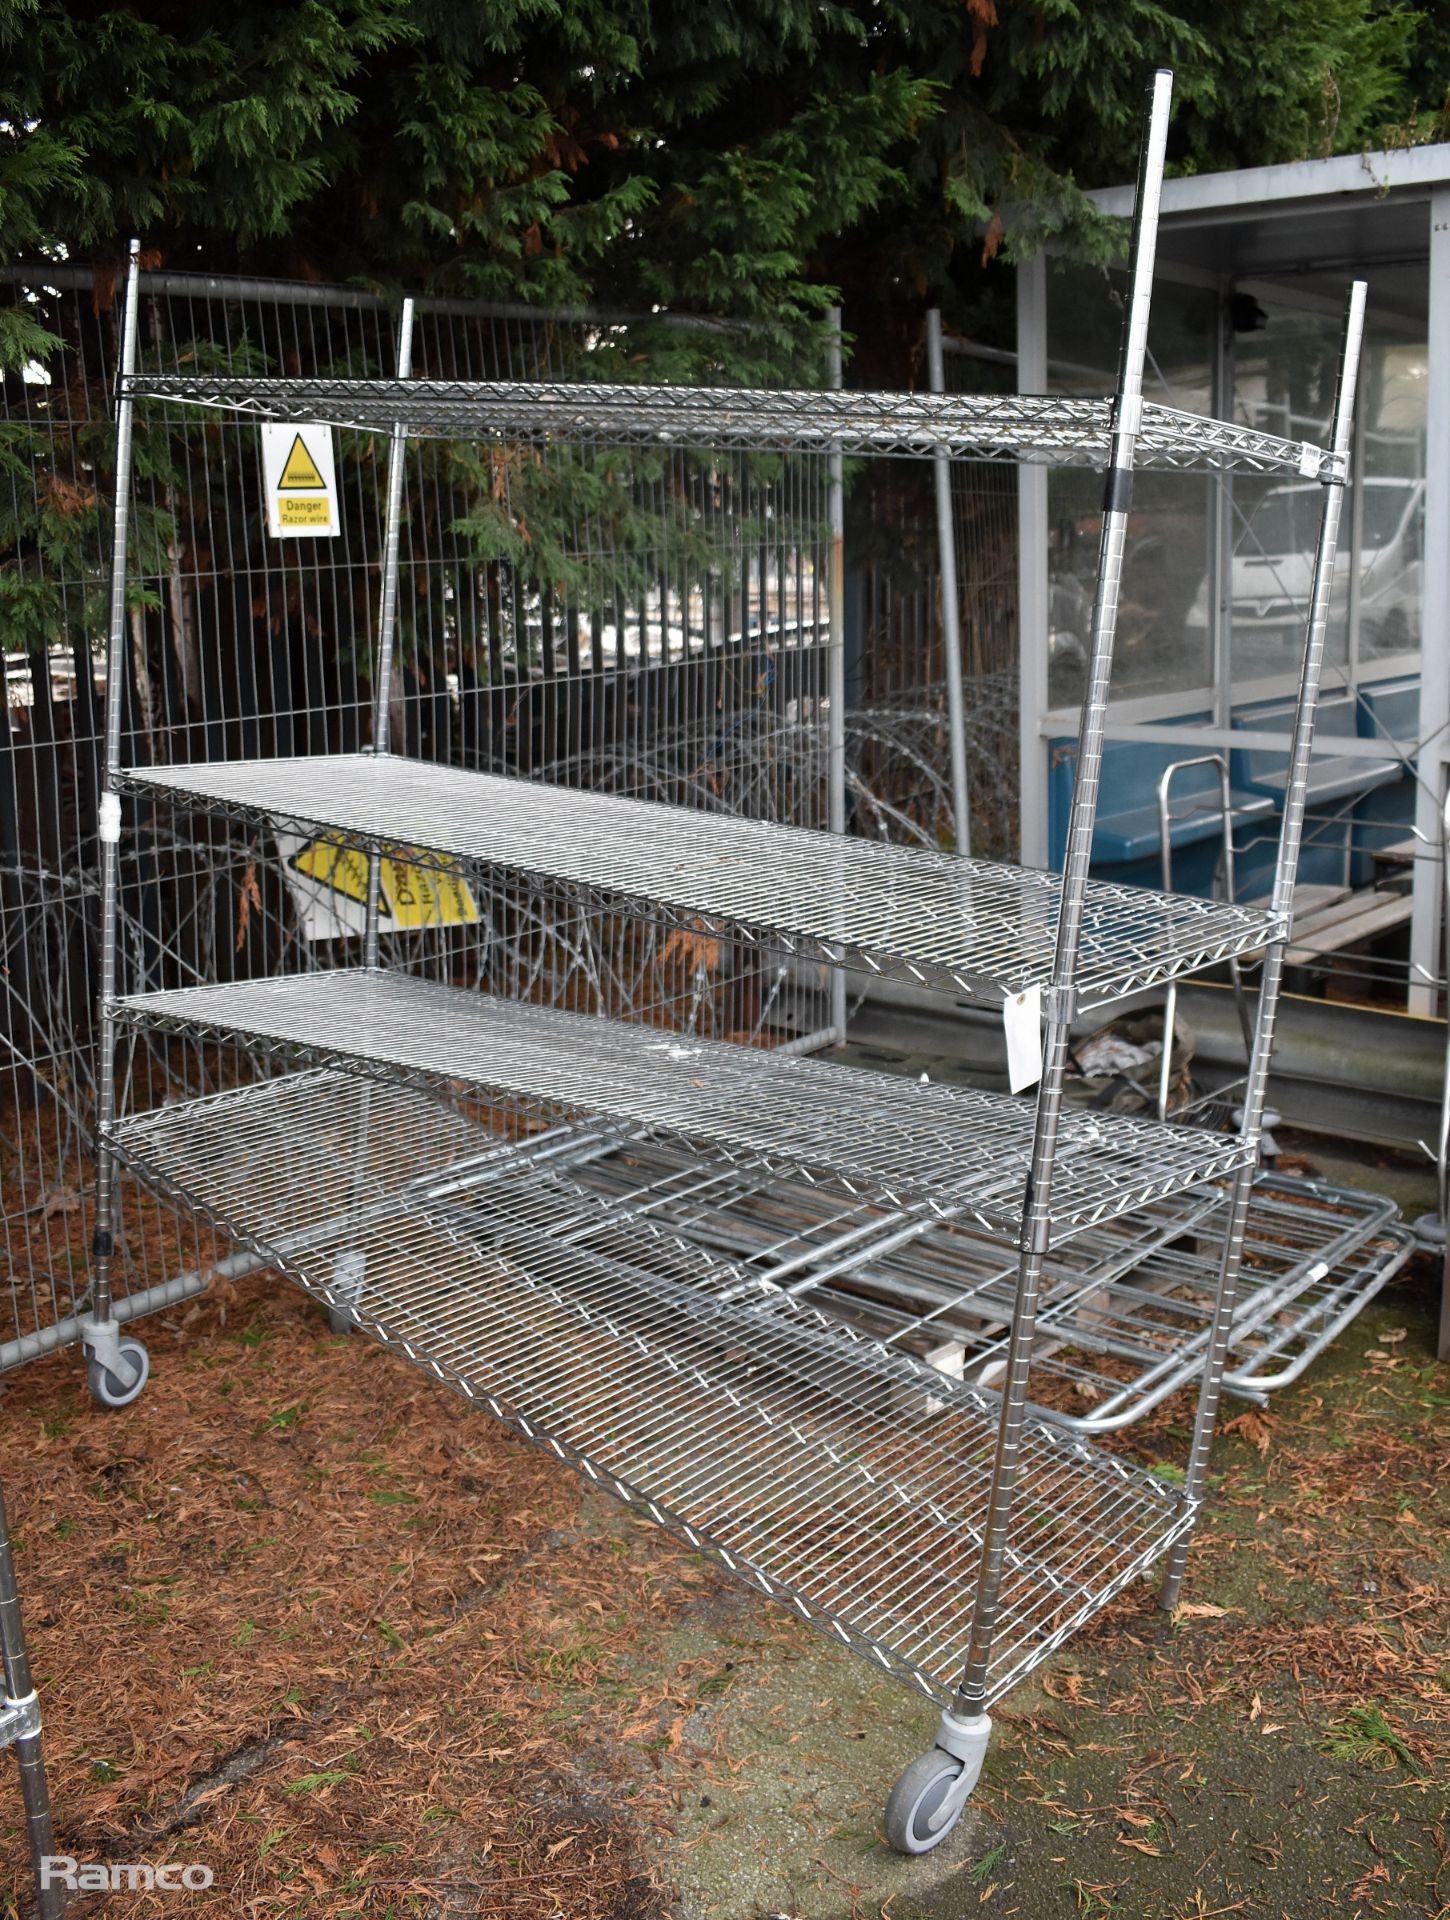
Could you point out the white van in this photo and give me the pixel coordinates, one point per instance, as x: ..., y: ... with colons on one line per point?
x: 1273, y: 564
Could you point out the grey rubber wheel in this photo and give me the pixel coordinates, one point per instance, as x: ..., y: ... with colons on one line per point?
x: 109, y: 1389
x: 918, y: 1793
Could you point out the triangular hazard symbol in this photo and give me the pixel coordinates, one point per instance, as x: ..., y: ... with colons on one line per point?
x: 299, y: 474
x: 333, y: 865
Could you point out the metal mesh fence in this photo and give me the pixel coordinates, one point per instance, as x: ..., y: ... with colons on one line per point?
x: 897, y: 722
x: 652, y: 623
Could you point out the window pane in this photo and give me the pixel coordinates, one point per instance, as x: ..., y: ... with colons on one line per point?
x: 1163, y: 640
x: 1286, y: 364
x: 1392, y: 393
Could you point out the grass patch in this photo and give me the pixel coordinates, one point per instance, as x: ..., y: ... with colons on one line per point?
x: 981, y: 1871
x: 1367, y: 1738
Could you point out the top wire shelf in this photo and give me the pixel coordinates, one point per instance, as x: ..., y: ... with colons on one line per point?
x: 976, y: 927
x: 1050, y: 430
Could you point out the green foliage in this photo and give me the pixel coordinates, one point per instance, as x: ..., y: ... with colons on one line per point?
x: 740, y: 158
x: 749, y: 158
x: 1366, y: 1737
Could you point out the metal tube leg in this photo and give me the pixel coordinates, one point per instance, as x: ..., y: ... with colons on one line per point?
x: 836, y: 661
x: 951, y: 623
x: 39, y: 1831
x: 1061, y: 1004
x: 1165, y: 1062
x: 20, y: 1701
x: 1215, y: 1361
x: 117, y: 1367
x: 1432, y: 1230
x: 1295, y: 787
x: 350, y: 1270
x: 388, y: 620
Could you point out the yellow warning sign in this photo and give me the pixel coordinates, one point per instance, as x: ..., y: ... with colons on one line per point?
x: 333, y: 865
x: 417, y: 889
x: 299, y: 476
x: 431, y: 896
x: 304, y: 513
x: 299, y: 471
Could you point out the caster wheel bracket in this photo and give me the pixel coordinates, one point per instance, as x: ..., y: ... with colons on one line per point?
x: 965, y: 1740
x: 101, y: 1342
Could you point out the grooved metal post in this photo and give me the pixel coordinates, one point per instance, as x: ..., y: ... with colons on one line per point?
x: 1037, y: 1207
x: 1295, y: 790
x: 20, y: 1696
x: 103, y: 1244
x: 1442, y: 1137
x: 951, y: 623
x: 388, y: 615
x: 836, y: 677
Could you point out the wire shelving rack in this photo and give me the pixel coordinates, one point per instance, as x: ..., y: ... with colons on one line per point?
x: 950, y: 1531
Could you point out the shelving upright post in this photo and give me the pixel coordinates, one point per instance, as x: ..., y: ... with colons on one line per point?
x: 932, y: 1791
x: 1271, y: 981
x: 117, y: 1366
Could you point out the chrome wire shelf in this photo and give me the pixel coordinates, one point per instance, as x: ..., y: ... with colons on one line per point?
x: 975, y: 927
x: 826, y: 1470
x: 1050, y: 430
x: 1127, y: 1307
x: 950, y: 1150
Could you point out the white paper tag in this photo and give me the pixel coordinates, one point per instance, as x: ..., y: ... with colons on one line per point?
x: 1022, y: 1024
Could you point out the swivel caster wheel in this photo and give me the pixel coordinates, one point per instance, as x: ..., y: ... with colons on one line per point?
x: 932, y: 1791
x: 921, y: 1796
x: 119, y: 1384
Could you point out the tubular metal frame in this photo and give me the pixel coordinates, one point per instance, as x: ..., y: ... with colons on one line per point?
x: 20, y: 1728
x: 951, y: 623
x: 915, y: 1145
x: 1230, y: 888
x: 1295, y: 791
x: 1128, y: 1305
x: 99, y: 1330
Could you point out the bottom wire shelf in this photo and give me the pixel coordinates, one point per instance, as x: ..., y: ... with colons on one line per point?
x: 1126, y: 1308
x: 842, y: 1476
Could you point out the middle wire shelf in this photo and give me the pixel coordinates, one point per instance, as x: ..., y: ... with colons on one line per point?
x: 978, y: 927
x: 846, y: 1478
x: 951, y: 1151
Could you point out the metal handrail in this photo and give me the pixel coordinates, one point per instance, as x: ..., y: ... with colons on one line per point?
x: 1165, y: 860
